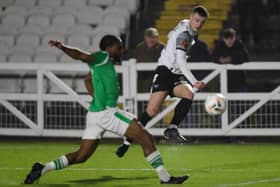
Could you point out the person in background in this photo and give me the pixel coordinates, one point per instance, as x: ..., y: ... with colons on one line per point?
x: 150, y: 48
x: 230, y: 50
x: 173, y: 77
x: 199, y: 52
x: 251, y: 13
x: 147, y: 51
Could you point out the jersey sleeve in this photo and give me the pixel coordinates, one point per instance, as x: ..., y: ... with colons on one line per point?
x: 99, y: 57
x: 182, y: 41
x: 93, y: 57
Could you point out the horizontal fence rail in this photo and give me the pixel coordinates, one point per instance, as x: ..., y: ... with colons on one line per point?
x: 62, y: 113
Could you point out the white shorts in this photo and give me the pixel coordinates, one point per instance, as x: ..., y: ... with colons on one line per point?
x: 112, y: 119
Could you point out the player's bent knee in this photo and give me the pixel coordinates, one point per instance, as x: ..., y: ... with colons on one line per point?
x: 152, y: 111
x: 188, y: 94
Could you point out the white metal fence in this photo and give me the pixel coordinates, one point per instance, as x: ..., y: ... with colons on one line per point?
x: 63, y: 114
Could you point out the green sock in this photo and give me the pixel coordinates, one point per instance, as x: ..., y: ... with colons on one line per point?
x: 59, y: 163
x: 156, y: 162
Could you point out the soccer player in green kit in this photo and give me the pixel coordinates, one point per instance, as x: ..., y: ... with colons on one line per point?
x: 103, y: 114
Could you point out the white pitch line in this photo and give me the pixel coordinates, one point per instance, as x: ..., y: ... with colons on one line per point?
x: 250, y: 182
x: 102, y: 169
x: 150, y: 169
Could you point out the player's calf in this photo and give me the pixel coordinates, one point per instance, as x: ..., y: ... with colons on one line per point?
x: 138, y: 134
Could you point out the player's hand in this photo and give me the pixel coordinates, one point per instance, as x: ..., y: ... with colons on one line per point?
x: 199, y: 85
x: 56, y: 43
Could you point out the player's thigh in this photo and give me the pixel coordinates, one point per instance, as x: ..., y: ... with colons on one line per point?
x: 183, y: 91
x: 93, y: 131
x: 155, y: 102
x: 116, y: 121
x: 137, y: 133
x: 92, y: 134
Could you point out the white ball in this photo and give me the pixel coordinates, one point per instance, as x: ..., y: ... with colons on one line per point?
x: 215, y: 104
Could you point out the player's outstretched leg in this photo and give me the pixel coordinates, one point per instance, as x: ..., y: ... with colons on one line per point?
x: 171, y: 132
x: 138, y: 134
x: 154, y: 104
x: 87, y: 148
x: 122, y: 149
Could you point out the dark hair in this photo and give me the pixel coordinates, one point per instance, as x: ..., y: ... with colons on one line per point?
x: 109, y: 41
x: 201, y: 10
x: 227, y: 33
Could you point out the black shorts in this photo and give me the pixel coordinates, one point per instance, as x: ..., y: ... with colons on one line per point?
x: 165, y: 80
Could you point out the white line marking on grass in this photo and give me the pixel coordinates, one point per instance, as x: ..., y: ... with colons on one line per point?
x: 216, y: 170
x: 250, y: 182
x: 102, y: 169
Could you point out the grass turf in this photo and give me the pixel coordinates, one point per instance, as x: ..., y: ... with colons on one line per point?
x: 209, y: 165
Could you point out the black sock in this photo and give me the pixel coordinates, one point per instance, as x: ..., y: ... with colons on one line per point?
x: 181, y: 110
x: 144, y: 119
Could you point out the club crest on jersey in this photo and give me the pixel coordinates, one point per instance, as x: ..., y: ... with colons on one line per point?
x: 184, y: 44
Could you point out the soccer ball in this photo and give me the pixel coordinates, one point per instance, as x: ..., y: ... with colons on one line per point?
x: 215, y: 104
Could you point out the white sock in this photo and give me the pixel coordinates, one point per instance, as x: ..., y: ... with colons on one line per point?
x: 126, y: 142
x: 156, y: 162
x: 60, y: 163
x: 163, y: 173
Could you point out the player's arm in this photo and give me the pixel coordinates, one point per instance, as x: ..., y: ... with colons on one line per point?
x: 74, y: 53
x: 181, y: 49
x: 88, y: 84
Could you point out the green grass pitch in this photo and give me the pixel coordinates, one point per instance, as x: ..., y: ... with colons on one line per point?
x: 209, y: 165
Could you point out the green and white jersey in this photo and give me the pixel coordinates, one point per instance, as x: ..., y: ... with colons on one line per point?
x: 105, y: 82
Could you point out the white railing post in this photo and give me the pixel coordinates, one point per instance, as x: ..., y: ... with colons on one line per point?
x: 224, y: 91
x: 40, y: 102
x: 125, y: 86
x: 133, y: 74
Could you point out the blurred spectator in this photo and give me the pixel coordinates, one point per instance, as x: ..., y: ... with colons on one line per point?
x: 199, y: 53
x: 229, y: 50
x: 251, y: 13
x: 148, y: 51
